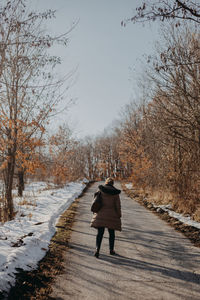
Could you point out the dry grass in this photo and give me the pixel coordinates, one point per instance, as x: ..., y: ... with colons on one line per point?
x: 166, y: 197
x: 197, y: 214
x: 189, y: 207
x: 27, y: 202
x: 163, y: 197
x: 159, y: 197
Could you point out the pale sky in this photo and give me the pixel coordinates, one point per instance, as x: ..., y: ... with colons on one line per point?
x: 108, y: 57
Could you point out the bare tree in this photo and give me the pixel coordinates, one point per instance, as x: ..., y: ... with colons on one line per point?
x: 166, y: 9
x: 173, y: 114
x: 28, y: 92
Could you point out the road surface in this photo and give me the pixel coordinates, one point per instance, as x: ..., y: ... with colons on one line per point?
x: 154, y: 262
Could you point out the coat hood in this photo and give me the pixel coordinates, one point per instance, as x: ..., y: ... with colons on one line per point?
x: 109, y: 189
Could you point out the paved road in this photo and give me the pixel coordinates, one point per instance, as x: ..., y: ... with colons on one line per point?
x: 154, y: 262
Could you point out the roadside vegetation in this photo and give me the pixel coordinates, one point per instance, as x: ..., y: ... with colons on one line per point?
x: 155, y: 143
x: 30, y: 93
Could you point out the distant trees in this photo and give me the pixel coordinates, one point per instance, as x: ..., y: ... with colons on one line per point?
x: 94, y: 158
x: 132, y: 151
x: 156, y: 144
x: 108, y: 155
x: 61, y: 149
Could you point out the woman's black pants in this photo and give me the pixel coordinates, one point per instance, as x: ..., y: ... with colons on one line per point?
x: 99, y: 238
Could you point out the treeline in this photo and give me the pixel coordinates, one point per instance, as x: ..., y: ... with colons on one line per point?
x: 156, y: 144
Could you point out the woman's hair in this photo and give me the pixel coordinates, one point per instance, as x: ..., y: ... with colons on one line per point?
x: 109, y: 181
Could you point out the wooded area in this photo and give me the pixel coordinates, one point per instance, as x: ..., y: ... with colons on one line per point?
x: 29, y: 92
x: 156, y: 142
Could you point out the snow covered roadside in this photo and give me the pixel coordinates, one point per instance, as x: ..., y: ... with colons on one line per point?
x: 24, y: 240
x: 184, y: 219
x: 129, y: 186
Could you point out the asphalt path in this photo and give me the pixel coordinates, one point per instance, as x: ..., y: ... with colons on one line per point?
x: 154, y: 261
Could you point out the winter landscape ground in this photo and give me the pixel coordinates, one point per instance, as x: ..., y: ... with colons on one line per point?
x: 24, y: 240
x: 153, y: 262
x: 137, y: 120
x: 144, y: 241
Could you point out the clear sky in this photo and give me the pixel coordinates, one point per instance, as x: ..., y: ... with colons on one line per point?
x: 108, y: 57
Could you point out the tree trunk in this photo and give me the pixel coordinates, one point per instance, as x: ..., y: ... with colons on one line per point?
x: 8, y: 178
x: 9, y: 202
x: 20, y: 183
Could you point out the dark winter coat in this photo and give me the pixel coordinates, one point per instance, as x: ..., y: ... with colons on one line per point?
x: 109, y: 215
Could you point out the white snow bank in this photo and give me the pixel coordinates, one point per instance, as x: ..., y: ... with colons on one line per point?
x: 24, y: 240
x: 184, y: 219
x: 129, y: 186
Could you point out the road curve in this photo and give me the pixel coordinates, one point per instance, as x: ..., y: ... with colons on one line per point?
x: 154, y: 262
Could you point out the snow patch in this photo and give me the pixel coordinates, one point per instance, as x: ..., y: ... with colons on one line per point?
x: 25, y: 240
x: 184, y: 219
x: 129, y: 186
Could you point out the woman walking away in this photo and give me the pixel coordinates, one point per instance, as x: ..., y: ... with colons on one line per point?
x: 109, y: 216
